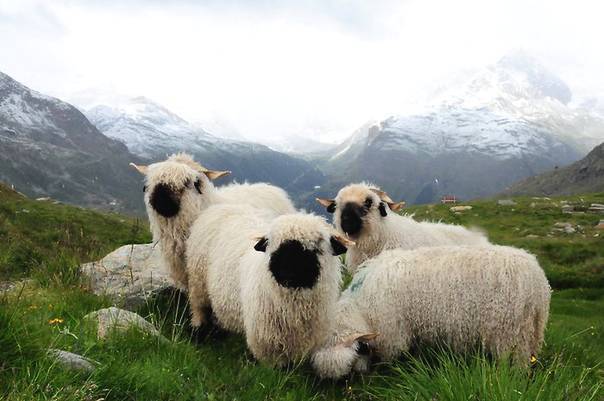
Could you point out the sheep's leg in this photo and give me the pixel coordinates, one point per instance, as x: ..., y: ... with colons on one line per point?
x: 199, y: 301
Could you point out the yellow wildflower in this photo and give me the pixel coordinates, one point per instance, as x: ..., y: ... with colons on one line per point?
x: 57, y: 320
x: 533, y: 360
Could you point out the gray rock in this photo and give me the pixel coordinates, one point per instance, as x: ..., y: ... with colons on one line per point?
x: 596, y: 208
x: 72, y: 361
x: 6, y: 286
x: 565, y: 227
x: 128, y: 275
x: 119, y: 320
x: 455, y: 209
x: 506, y: 202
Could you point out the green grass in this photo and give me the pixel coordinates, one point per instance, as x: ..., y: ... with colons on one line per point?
x: 569, y: 260
x: 138, y: 367
x: 42, y: 237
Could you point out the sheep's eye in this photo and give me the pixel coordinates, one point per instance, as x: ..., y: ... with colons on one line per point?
x: 144, y: 188
x: 198, y: 185
x: 368, y: 203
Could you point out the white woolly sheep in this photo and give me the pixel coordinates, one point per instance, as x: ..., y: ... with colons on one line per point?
x: 290, y: 289
x: 178, y: 189
x: 220, y: 237
x: 366, y: 214
x: 493, y: 296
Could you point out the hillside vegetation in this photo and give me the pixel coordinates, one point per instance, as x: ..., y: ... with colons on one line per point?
x: 41, y: 237
x: 570, y: 259
x: 585, y: 175
x: 42, y: 246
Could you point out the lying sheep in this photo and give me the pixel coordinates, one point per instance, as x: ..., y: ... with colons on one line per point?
x: 290, y: 288
x: 493, y: 296
x: 178, y: 189
x: 365, y: 214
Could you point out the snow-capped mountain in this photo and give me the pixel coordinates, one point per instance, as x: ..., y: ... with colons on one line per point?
x: 151, y: 131
x: 519, y: 87
x: 145, y: 127
x: 509, y: 121
x: 49, y: 148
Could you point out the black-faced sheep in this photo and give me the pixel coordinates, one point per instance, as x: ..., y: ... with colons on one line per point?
x: 178, y: 189
x: 493, y: 296
x: 290, y: 290
x: 366, y: 215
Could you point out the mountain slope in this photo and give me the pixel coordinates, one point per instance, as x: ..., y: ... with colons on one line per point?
x: 49, y: 148
x: 507, y: 122
x: 585, y: 175
x: 150, y: 130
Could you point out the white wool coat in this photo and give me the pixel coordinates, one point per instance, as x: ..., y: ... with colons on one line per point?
x: 494, y: 296
x: 285, y: 324
x: 219, y: 239
x: 172, y: 232
x: 393, y: 230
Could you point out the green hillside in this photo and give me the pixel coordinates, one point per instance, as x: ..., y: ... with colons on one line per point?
x: 42, y: 243
x: 570, y: 259
x: 35, y: 236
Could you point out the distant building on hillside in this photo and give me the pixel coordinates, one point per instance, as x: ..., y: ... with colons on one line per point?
x: 448, y: 199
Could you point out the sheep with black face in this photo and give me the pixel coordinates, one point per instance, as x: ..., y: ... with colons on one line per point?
x: 290, y: 287
x: 493, y: 297
x: 367, y: 216
x: 178, y: 189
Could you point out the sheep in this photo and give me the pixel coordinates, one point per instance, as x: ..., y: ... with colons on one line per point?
x: 220, y: 237
x: 365, y: 214
x: 493, y: 296
x: 226, y: 263
x: 178, y: 189
x: 290, y: 288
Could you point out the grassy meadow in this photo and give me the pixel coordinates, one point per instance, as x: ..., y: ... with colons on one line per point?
x: 42, y: 245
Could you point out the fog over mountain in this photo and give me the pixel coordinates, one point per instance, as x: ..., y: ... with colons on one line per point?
x: 509, y: 121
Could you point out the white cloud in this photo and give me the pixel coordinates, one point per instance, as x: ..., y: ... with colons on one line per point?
x: 273, y: 68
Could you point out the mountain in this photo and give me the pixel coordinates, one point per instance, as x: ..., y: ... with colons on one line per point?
x: 505, y: 123
x: 298, y: 145
x: 518, y: 86
x: 151, y: 131
x: 49, y: 148
x: 585, y: 175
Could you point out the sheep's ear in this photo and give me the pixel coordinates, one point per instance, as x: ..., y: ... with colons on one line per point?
x: 340, y: 244
x: 395, y: 207
x: 213, y: 174
x: 330, y: 204
x: 382, y: 194
x: 141, y: 169
x: 392, y: 205
x: 360, y: 337
x: 261, y: 244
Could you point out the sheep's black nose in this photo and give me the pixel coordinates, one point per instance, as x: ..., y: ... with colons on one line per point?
x: 165, y: 201
x: 293, y: 266
x: 351, y: 218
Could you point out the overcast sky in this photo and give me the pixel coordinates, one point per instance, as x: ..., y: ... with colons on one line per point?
x: 272, y: 68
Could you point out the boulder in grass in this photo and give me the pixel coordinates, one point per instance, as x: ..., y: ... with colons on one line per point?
x: 119, y: 320
x: 72, y: 361
x: 506, y: 202
x: 460, y: 208
x: 128, y: 275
